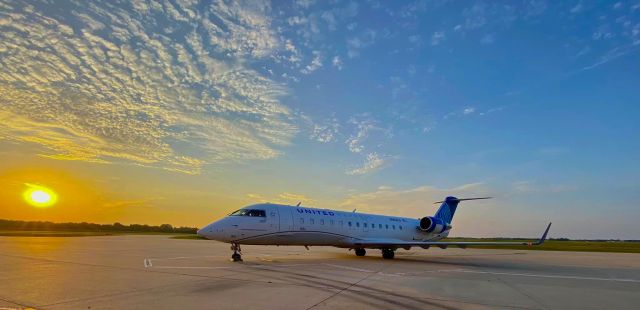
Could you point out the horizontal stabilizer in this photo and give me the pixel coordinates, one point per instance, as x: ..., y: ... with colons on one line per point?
x: 461, y: 199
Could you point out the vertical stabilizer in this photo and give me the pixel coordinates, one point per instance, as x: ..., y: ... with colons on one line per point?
x: 448, y: 207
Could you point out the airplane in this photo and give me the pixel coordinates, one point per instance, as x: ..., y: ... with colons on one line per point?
x: 277, y: 224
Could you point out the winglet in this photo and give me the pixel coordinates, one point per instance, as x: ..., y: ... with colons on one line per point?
x: 298, y: 204
x: 544, y: 236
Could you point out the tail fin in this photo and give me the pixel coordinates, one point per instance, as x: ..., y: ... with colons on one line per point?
x: 449, y: 206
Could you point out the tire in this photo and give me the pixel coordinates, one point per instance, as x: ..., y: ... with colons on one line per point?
x: 388, y: 254
x: 361, y: 252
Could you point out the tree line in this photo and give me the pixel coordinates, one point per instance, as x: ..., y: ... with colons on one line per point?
x: 115, y: 227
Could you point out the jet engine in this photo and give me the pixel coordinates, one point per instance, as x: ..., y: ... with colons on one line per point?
x: 433, y: 225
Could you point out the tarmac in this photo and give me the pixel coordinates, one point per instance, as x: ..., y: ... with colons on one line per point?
x: 157, y: 272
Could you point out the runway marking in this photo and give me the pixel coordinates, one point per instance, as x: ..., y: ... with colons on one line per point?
x: 228, y: 267
x: 348, y: 268
x: 289, y: 265
x: 548, y: 276
x: 187, y: 257
x: 147, y: 263
x: 190, y: 267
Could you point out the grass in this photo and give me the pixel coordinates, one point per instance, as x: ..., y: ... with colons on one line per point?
x: 549, y: 245
x: 572, y: 245
x: 190, y: 237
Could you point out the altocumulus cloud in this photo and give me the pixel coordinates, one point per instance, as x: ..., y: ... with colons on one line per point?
x: 162, y: 84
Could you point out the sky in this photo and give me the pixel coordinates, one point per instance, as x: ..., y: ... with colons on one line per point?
x: 182, y: 111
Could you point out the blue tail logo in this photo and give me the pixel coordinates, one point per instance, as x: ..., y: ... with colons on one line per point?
x: 448, y: 207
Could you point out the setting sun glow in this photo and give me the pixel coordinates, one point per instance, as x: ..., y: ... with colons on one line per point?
x: 39, y: 196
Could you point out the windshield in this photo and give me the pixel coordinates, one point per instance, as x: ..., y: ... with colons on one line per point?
x: 249, y: 212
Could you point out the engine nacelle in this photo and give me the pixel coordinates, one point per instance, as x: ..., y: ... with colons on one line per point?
x: 433, y: 225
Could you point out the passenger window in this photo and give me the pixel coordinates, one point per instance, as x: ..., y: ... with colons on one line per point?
x: 365, y: 225
x: 321, y: 222
x: 373, y: 225
x: 349, y: 224
x: 380, y: 226
x: 331, y: 222
x: 386, y: 226
x: 394, y: 227
x: 311, y: 221
x: 357, y: 224
x: 400, y: 226
x: 301, y: 220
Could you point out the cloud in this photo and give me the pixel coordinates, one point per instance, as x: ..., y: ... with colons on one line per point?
x: 488, y: 38
x: 304, y: 3
x: 337, y: 62
x: 315, y: 64
x: 576, y: 9
x: 112, y: 83
x: 294, y: 198
x: 464, y: 112
x: 614, y: 54
x: 415, y: 40
x: 283, y: 198
x: 525, y: 187
x: 326, y: 132
x: 364, y: 126
x: 355, y: 44
x: 409, y: 202
x: 437, y: 37
x: 373, y: 162
x: 256, y: 197
x: 145, y: 202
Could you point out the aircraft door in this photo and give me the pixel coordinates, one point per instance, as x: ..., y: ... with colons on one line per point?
x: 285, y: 217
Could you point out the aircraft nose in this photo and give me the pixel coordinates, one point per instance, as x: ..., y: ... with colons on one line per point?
x: 205, y: 231
x: 210, y: 231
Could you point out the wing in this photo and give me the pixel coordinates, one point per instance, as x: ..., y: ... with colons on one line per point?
x: 391, y: 243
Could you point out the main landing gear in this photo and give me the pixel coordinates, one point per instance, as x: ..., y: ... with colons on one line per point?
x: 237, y: 252
x: 388, y: 253
x: 361, y: 252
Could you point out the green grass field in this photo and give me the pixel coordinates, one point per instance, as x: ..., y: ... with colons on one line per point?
x: 572, y: 245
x: 189, y: 236
x: 549, y: 245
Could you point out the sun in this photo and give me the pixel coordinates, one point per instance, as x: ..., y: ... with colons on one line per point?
x: 39, y: 196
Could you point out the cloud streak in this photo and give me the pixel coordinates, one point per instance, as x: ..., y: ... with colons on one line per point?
x: 372, y: 163
x: 155, y: 84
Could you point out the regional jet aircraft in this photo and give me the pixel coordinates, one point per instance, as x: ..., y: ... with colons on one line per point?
x: 275, y: 224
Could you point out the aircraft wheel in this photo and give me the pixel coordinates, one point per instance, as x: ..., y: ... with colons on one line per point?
x: 388, y: 254
x: 236, y: 257
x: 361, y: 252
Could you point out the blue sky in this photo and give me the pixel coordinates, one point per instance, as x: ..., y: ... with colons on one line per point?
x: 383, y: 106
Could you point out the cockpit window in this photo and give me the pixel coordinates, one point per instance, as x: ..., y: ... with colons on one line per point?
x: 259, y: 213
x: 249, y: 212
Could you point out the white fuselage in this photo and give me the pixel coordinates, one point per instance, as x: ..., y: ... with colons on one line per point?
x: 290, y: 225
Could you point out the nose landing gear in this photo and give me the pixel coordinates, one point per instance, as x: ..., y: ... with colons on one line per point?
x: 237, y: 253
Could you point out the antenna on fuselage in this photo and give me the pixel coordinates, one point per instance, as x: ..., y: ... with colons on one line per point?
x: 298, y: 203
x: 354, y: 210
